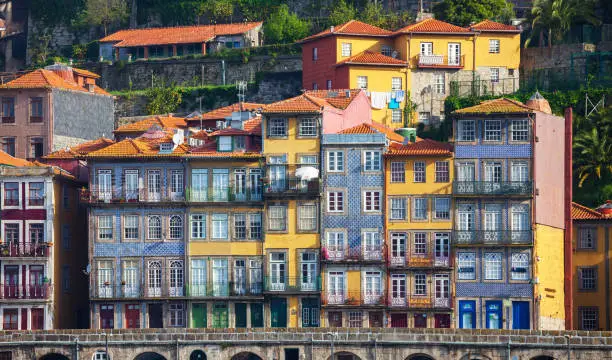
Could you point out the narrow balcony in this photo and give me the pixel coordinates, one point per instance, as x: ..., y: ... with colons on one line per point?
x: 223, y: 195
x: 292, y: 285
x: 101, y: 195
x: 353, y: 298
x: 403, y: 301
x: 26, y: 292
x: 441, y: 61
x: 412, y: 261
x: 36, y: 249
x: 127, y: 291
x: 504, y: 188
x: 291, y: 187
x: 493, y: 237
x: 225, y: 289
x: 364, y: 253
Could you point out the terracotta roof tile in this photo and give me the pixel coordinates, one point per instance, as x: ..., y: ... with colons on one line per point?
x: 497, y: 106
x: 432, y: 25
x: 353, y: 27
x: 371, y: 58
x: 81, y: 149
x: 85, y: 73
x: 492, y: 26
x: 47, y: 79
x: 209, y: 150
x: 300, y: 104
x: 164, y: 122
x: 581, y: 212
x: 422, y: 147
x: 228, y: 132
x: 226, y: 111
x: 8, y: 160
x: 139, y: 148
x: 374, y: 128
x: 337, y: 98
x: 252, y: 126
x: 176, y: 35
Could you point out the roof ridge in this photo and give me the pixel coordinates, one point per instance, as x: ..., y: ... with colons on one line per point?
x: 313, y: 99
x: 184, y: 26
x: 588, y: 209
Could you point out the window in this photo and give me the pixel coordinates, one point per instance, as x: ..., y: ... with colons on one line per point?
x: 219, y: 226
x: 335, y: 161
x: 11, y: 233
x: 386, y: 50
x: 418, y: 168
x: 65, y: 196
x: 36, y: 194
x: 255, y: 226
x: 277, y: 218
x: 66, y: 278
x: 177, y: 315
x: 493, y: 46
x: 278, y: 127
x: 105, y: 227
x: 156, y: 51
x: 420, y: 243
x: 198, y: 226
x: 371, y: 161
x: 8, y: 110
x: 315, y: 86
x: 8, y: 145
x: 198, y: 277
x: 492, y: 130
x: 426, y: 48
x: 587, y: 238
x: 519, y: 171
x: 371, y: 201
x: 442, y: 208
x: 398, y: 208
x: 100, y: 355
x: 347, y: 49
x: 442, y: 174
x: 130, y: 227
x: 308, y: 217
x: 588, y: 278
x: 37, y: 232
x: 225, y: 143
x: 420, y: 284
x: 176, y: 278
x: 466, y: 130
x: 308, y: 127
x: 240, y: 228
x: 355, y: 319
x: 424, y: 117
x: 398, y: 172
x: 520, y: 130
x: 154, y: 227
x: 329, y: 84
x: 466, y: 266
x: 589, y: 317
x: 439, y: 83
x: 493, y: 266
x: 335, y: 201
x: 494, y: 75
x: 36, y: 147
x: 36, y: 110
x: 239, y: 143
x: 396, y: 116
x: 11, y: 194
x: 419, y: 208
x: 520, y: 266
x: 362, y: 82
x: 165, y: 147
x: 396, y: 83
x: 315, y: 54
x: 176, y: 227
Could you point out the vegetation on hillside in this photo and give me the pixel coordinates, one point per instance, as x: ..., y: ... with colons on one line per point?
x: 466, y: 12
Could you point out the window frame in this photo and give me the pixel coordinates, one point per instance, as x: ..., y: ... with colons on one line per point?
x: 375, y: 205
x: 494, y: 46
x: 594, y: 279
x: 346, y: 49
x: 107, y: 227
x: 469, y: 258
x: 582, y: 230
x: 338, y: 202
x: 442, y: 171
x: 419, y: 175
x: 436, y: 212
x: 199, y: 221
x: 277, y: 123
x: 362, y: 82
x: 414, y: 212
x: 313, y: 219
x: 523, y: 131
x: 516, y: 262
x: 375, y: 160
x: 336, y: 155
x: 282, y: 219
x: 488, y: 271
x: 130, y: 229
x: 313, y: 127
x: 398, y: 175
x: 461, y: 130
x: 492, y: 134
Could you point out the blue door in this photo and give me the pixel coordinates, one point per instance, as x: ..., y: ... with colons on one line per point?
x: 467, y: 314
x: 494, y: 314
x: 520, y: 315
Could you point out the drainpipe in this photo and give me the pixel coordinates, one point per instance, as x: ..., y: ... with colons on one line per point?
x: 223, y: 71
x: 569, y: 350
x: 76, y: 348
x: 106, y: 344
x: 178, y: 355
x: 568, y: 261
x: 509, y: 341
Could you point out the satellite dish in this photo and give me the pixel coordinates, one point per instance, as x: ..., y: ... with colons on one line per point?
x: 178, y: 139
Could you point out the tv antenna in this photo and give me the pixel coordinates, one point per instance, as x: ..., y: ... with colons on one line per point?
x: 242, y: 87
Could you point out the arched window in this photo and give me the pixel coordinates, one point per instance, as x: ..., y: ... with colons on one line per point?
x: 197, y: 355
x: 154, y: 230
x: 154, y: 278
x: 176, y: 227
x: 100, y: 355
x: 176, y: 278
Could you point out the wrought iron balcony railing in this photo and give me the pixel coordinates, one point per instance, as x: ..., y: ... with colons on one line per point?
x: 292, y: 187
x: 493, y: 237
x: 36, y: 249
x: 225, y: 289
x: 362, y: 253
x: 403, y: 300
x: 26, y: 291
x: 285, y: 284
x: 441, y: 61
x: 353, y: 298
x: 97, y: 194
x: 114, y: 291
x: 418, y: 261
x: 509, y: 188
x: 223, y: 194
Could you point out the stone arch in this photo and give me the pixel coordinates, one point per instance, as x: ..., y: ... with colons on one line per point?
x: 344, y: 355
x: 475, y: 357
x: 54, y: 356
x: 246, y: 355
x: 197, y: 355
x: 543, y: 357
x: 419, y: 356
x: 149, y: 356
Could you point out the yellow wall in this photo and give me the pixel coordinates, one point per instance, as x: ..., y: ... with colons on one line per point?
x: 359, y: 45
x: 509, y: 50
x: 292, y: 145
x: 550, y: 288
x: 440, y: 47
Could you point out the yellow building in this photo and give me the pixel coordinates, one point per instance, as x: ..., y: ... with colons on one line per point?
x: 429, y: 60
x: 418, y: 182
x: 592, y: 231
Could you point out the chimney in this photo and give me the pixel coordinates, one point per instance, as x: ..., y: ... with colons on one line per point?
x: 63, y: 71
x: 606, y: 208
x: 331, y: 29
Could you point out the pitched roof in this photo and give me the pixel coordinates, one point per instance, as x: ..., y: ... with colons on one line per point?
x: 337, y: 98
x: 492, y: 26
x: 226, y: 111
x: 420, y: 148
x: 47, y: 79
x: 80, y: 149
x: 8, y: 160
x: 432, y: 25
x: 374, y: 128
x: 351, y: 28
x: 371, y: 58
x: 581, y: 212
x: 497, y: 106
x: 209, y: 150
x: 85, y: 73
x: 302, y: 104
x: 139, y: 147
x: 177, y: 35
x: 164, y: 122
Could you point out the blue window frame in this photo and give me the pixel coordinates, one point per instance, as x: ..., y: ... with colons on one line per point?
x: 467, y: 314
x: 494, y: 317
x: 520, y: 315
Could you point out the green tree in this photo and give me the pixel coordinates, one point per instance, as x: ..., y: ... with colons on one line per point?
x: 465, y: 12
x: 285, y: 27
x: 163, y: 99
x: 218, y: 11
x: 40, y: 49
x: 373, y: 13
x: 106, y: 12
x: 592, y: 155
x: 341, y: 13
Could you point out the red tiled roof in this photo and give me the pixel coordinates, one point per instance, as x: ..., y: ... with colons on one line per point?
x: 8, y: 160
x: 47, y: 79
x: 352, y: 27
x: 226, y: 111
x: 303, y: 104
x: 228, y: 132
x: 337, y: 98
x: 432, y: 25
x: 371, y: 58
x: 209, y: 150
x: 252, y: 126
x: 422, y: 147
x: 492, y: 26
x: 81, y: 149
x: 497, y: 106
x: 85, y: 73
x: 139, y: 148
x: 164, y: 122
x: 581, y: 212
x: 176, y: 35
x: 374, y: 128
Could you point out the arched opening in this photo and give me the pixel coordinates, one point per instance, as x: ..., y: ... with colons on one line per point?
x: 474, y: 357
x: 54, y: 357
x: 246, y: 356
x: 149, y: 356
x: 419, y: 357
x: 543, y: 357
x: 197, y: 355
x: 344, y: 355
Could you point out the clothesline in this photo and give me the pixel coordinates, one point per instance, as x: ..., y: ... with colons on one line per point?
x: 384, y: 99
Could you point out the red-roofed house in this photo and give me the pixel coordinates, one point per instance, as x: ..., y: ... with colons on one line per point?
x: 53, y: 108
x: 179, y: 40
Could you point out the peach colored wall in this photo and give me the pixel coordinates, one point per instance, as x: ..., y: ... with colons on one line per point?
x: 357, y: 112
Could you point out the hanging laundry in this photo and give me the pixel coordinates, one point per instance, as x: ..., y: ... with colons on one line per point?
x: 393, y: 104
x: 399, y: 96
x: 378, y: 100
